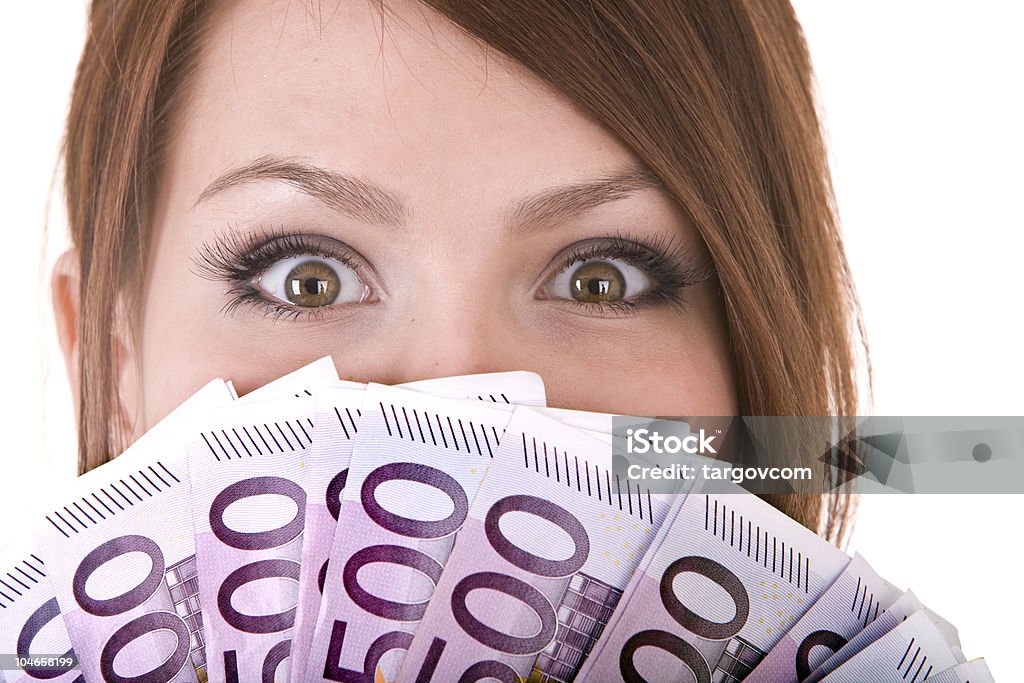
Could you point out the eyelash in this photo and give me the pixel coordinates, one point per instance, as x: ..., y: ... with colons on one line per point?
x: 239, y: 258
x: 670, y: 266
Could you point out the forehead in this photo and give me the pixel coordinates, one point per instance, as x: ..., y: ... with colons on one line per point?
x: 402, y: 96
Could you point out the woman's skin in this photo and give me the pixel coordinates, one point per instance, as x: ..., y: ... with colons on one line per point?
x: 463, y: 187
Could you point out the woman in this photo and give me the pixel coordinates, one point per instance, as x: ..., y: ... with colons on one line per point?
x: 630, y: 197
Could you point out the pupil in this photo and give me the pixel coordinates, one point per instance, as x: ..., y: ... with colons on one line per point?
x: 597, y: 282
x: 312, y: 285
x: 598, y: 286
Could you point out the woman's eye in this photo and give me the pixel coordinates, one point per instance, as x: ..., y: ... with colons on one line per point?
x: 312, y: 282
x: 599, y: 281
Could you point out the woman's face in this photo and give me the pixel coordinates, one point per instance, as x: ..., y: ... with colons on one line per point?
x: 387, y: 191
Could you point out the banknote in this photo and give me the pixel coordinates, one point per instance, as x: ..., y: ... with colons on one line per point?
x: 910, y: 653
x: 304, y: 381
x: 335, y: 427
x: 30, y: 621
x: 501, y: 388
x: 850, y: 604
x: 409, y: 534
x: 726, y: 577
x: 897, y: 613
x: 550, y: 542
x: 248, y: 505
x: 416, y: 463
x: 583, y: 420
x: 974, y: 671
x: 126, y: 489
x: 119, y: 554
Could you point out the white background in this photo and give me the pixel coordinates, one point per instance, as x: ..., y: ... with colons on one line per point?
x: 923, y: 105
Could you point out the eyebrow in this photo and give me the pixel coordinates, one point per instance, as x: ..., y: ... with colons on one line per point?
x: 564, y: 202
x: 374, y: 205
x: 344, y: 193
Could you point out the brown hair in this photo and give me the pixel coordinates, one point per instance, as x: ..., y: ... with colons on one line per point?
x: 715, y: 96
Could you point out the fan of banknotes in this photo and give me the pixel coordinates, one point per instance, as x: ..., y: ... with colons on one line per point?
x: 446, y: 530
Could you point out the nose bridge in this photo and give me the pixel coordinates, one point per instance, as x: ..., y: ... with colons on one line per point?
x: 450, y: 330
x: 454, y: 298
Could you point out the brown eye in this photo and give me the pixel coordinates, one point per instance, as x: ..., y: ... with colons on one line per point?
x: 598, y: 281
x: 313, y: 282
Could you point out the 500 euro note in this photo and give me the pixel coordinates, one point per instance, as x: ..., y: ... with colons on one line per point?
x: 126, y: 522
x: 850, y: 604
x: 893, y: 616
x: 550, y: 542
x: 724, y: 580
x: 304, y: 381
x: 336, y: 423
x: 248, y: 504
x: 417, y: 462
x: 910, y: 653
x: 974, y: 671
x: 336, y: 416
x: 30, y: 621
x: 119, y: 554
